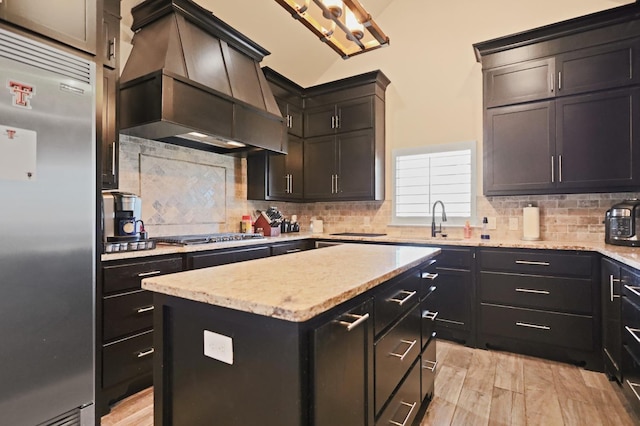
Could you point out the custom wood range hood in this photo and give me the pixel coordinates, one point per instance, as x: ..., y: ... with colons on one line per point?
x: 194, y: 81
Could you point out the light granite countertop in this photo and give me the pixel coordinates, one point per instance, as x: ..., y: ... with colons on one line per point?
x: 629, y: 256
x: 295, y: 287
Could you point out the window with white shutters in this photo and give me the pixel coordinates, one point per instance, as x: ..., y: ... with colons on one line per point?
x: 425, y: 175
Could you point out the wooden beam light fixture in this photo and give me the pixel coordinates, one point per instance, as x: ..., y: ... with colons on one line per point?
x: 342, y: 24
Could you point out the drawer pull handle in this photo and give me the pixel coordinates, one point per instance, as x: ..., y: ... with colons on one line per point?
x: 430, y: 365
x: 145, y: 353
x: 451, y: 321
x: 406, y: 419
x: 633, y: 387
x: 611, y: 281
x: 148, y: 274
x: 539, y: 327
x: 429, y: 276
x: 528, y: 290
x: 633, y: 289
x: 144, y: 309
x: 430, y: 315
x: 411, y: 344
x: 401, y: 302
x: 633, y: 332
x: 293, y: 250
x: 532, y: 262
x: 351, y: 325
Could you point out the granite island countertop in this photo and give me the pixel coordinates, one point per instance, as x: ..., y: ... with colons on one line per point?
x: 295, y: 287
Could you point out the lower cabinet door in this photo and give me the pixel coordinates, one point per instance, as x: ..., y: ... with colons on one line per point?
x: 127, y: 359
x: 631, y: 378
x: 405, y: 404
x: 428, y: 369
x: 341, y: 369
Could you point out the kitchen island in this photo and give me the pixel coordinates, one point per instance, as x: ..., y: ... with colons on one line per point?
x: 322, y: 337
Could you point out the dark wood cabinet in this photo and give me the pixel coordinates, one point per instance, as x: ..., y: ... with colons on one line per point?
x: 519, y: 148
x: 523, y: 82
x: 293, y: 117
x: 630, y: 339
x: 452, y: 303
x: 108, y: 56
x: 291, y: 247
x: 125, y: 327
x: 342, y: 153
x: 276, y: 177
x: 341, y: 360
x: 221, y: 257
x: 611, y: 309
x: 341, y: 167
x: 321, y: 372
x: 72, y: 22
x: 346, y: 116
x: 561, y: 107
x: 540, y: 302
x: 598, y: 141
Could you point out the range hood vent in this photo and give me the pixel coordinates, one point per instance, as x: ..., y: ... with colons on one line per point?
x: 194, y: 81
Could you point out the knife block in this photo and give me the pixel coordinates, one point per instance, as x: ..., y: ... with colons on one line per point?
x: 267, y: 229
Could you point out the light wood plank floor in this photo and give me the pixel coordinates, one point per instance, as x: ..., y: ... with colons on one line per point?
x: 478, y: 387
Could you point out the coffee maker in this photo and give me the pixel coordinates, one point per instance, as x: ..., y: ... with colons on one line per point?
x: 121, y: 217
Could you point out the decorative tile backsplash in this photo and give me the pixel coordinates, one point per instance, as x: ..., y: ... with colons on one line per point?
x: 186, y: 191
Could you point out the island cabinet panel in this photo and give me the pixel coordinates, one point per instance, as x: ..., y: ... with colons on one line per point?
x: 566, y: 96
x: 451, y: 307
x: 291, y: 247
x: 541, y: 302
x: 260, y: 370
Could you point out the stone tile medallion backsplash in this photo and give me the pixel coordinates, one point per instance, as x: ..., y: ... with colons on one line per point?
x: 178, y: 192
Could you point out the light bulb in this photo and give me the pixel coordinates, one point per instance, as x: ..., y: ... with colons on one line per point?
x: 355, y: 27
x: 334, y: 6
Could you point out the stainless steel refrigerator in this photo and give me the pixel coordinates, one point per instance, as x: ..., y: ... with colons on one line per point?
x: 47, y: 234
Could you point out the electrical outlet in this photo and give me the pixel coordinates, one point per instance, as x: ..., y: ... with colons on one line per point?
x: 491, y: 223
x: 513, y: 224
x: 218, y: 346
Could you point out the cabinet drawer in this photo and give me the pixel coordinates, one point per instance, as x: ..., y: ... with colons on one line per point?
x: 394, y: 354
x: 127, y: 359
x: 206, y: 260
x: 292, y: 247
x: 631, y: 378
x: 404, y: 406
x: 631, y: 326
x: 630, y: 285
x: 428, y: 319
x: 127, y: 313
x: 428, y: 365
x: 396, y: 300
x: 539, y: 262
x: 566, y: 330
x: 128, y: 276
x: 459, y: 258
x: 531, y: 291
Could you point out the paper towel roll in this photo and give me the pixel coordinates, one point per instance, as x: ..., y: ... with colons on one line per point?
x: 531, y: 223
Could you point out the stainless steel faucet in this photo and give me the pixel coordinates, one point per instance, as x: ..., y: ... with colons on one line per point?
x: 433, y: 218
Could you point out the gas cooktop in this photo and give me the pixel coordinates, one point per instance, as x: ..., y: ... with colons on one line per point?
x: 183, y: 240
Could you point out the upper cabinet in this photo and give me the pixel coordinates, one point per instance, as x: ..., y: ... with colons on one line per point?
x: 561, y: 107
x: 340, y: 156
x: 109, y: 66
x: 72, y: 22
